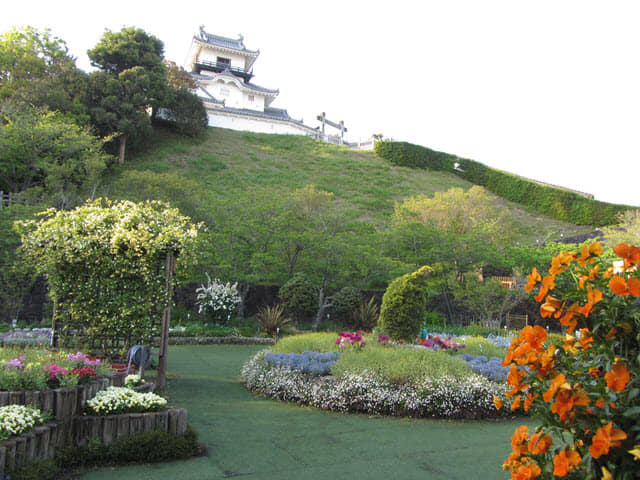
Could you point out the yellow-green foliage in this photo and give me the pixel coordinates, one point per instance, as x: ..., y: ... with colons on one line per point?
x: 401, y: 364
x: 480, y: 346
x: 310, y: 342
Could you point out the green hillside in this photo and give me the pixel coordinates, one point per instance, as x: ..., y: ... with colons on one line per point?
x: 197, y: 175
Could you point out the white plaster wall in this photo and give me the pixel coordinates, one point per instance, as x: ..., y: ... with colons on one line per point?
x: 235, y: 122
x: 209, y: 55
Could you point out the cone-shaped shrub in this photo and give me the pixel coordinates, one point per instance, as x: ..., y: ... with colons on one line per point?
x: 404, y: 305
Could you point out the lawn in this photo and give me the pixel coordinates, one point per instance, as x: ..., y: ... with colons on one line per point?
x: 256, y: 438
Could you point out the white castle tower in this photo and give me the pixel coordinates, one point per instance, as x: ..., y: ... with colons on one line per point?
x: 223, y: 69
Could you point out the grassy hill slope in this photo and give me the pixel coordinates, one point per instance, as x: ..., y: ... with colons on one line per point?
x: 196, y: 175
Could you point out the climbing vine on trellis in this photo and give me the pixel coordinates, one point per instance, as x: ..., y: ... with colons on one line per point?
x: 105, y: 265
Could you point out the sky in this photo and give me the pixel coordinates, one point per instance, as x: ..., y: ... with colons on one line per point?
x: 549, y: 90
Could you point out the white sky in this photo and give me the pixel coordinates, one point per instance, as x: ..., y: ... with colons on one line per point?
x: 545, y: 89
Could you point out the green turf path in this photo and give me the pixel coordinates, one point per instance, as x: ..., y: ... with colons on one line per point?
x: 257, y: 439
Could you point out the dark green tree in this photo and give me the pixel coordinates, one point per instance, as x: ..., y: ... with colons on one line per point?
x: 131, y: 47
x: 187, y: 112
x: 131, y: 86
x: 118, y: 106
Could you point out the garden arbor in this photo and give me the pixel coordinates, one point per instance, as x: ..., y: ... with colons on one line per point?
x: 110, y: 270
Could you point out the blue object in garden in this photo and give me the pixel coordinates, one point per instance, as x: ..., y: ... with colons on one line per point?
x: 423, y: 334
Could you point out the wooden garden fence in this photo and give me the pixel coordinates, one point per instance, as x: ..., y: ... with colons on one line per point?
x: 70, y: 427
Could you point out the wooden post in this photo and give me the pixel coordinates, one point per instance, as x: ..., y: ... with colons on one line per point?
x: 166, y: 320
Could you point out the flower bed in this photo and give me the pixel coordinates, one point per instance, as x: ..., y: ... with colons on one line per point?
x: 365, y: 392
x: 26, y: 336
x: 17, y: 419
x: 34, y: 369
x: 116, y: 400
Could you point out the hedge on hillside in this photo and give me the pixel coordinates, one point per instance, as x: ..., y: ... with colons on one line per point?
x: 553, y: 202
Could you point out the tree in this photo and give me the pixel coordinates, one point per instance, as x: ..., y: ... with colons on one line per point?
x: 487, y: 300
x: 118, y: 106
x: 457, y: 211
x: 187, y: 112
x: 45, y: 151
x: 132, y: 80
x: 131, y: 47
x: 37, y: 70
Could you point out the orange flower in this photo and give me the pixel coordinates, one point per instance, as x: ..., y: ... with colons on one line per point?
x: 528, y: 400
x: 618, y: 378
x: 605, y: 438
x: 551, y: 306
x: 514, y: 377
x: 515, y: 404
x: 585, y: 338
x: 620, y: 286
x: 588, y: 253
x: 526, y: 471
x: 557, y: 381
x: 539, y: 443
x: 533, y: 279
x: 569, y: 319
x: 566, y: 399
x: 534, y: 336
x: 564, y: 461
x: 594, y: 296
x: 561, y: 262
x: 497, y: 401
x: 519, y: 438
x: 630, y: 253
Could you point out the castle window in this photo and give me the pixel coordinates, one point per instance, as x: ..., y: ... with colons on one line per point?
x: 224, y: 91
x: 251, y: 98
x: 223, y: 62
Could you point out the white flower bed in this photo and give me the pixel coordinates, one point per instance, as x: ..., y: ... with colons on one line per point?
x: 367, y: 393
x: 17, y: 419
x: 116, y: 400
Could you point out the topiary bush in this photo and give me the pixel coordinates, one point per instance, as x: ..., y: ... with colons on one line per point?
x: 299, y: 297
x: 403, y: 305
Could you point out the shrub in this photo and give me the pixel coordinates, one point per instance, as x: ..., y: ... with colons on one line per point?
x: 154, y: 446
x: 311, y: 342
x: 218, y: 300
x: 272, y: 320
x: 37, y: 470
x: 554, y: 202
x: 403, y: 305
x: 402, y: 364
x: 365, y: 315
x: 345, y: 301
x: 299, y: 298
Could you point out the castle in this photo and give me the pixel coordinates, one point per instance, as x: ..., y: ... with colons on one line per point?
x: 223, y: 68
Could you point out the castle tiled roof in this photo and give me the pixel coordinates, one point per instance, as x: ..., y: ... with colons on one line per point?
x: 225, y: 42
